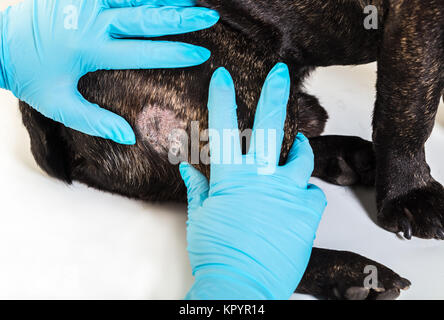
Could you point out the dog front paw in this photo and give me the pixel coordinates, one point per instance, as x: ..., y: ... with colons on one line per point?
x: 419, y: 213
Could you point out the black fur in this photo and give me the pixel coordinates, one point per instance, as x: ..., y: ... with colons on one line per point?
x: 252, y: 36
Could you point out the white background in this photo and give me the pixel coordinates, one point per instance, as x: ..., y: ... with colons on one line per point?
x: 59, y: 241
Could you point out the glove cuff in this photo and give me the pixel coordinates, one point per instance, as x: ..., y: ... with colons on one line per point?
x: 225, y: 284
x: 3, y: 49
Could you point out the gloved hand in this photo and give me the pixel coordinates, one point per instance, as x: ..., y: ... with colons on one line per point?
x: 251, y: 229
x: 48, y: 45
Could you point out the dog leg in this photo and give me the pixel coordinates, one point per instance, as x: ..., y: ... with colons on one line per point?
x: 410, y: 84
x: 344, y: 160
x: 342, y: 275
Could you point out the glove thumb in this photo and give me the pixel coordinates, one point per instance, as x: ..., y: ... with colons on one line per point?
x: 197, y: 186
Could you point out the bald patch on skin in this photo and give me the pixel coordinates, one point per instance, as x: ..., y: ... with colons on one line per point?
x: 155, y: 126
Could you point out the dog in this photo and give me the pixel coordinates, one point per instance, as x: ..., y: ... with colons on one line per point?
x: 251, y: 37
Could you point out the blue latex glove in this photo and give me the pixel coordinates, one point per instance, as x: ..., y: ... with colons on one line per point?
x: 48, y: 45
x: 250, y: 230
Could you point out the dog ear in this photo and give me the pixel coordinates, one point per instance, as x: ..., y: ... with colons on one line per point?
x: 48, y: 145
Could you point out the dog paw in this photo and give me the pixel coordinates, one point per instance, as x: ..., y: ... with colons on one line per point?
x: 419, y: 213
x: 354, y: 284
x: 344, y: 160
x: 388, y: 288
x: 342, y: 275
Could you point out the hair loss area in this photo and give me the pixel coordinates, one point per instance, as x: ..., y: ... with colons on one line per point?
x: 157, y: 126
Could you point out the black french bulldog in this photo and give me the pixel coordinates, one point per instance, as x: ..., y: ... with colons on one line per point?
x: 252, y: 36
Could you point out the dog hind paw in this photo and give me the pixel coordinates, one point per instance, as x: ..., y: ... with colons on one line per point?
x: 344, y: 160
x: 343, y: 275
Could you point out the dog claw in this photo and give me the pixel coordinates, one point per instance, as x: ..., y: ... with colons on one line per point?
x: 406, y: 228
x: 402, y: 284
x: 440, y: 233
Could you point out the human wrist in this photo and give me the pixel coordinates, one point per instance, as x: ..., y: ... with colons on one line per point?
x: 225, y: 283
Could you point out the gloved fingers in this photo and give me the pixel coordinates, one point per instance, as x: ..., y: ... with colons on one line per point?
x: 146, y: 21
x: 144, y: 54
x: 197, y: 186
x: 67, y: 106
x: 223, y: 124
x: 319, y: 200
x: 268, y: 130
x: 300, y: 163
x: 135, y: 3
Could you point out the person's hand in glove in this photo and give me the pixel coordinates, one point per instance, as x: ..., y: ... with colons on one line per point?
x: 251, y: 228
x: 46, y: 46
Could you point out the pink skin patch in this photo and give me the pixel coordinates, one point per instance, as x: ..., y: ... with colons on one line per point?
x: 156, y: 126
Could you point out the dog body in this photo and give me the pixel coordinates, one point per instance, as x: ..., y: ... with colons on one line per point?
x: 252, y: 36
